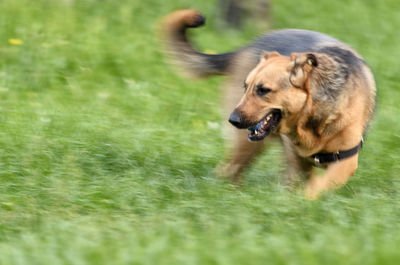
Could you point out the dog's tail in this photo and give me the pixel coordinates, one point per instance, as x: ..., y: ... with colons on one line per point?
x: 195, y: 63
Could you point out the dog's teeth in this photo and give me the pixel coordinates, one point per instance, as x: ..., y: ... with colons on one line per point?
x: 256, y: 132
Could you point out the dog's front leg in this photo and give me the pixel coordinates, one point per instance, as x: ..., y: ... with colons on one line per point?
x: 297, y: 169
x: 239, y: 157
x: 335, y: 176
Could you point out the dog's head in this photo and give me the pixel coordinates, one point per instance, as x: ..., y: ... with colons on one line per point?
x: 276, y: 91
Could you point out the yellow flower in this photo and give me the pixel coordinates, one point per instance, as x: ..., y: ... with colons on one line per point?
x: 15, y: 41
x: 210, y: 52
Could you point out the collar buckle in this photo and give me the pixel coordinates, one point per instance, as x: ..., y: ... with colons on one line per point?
x: 336, y: 155
x: 316, y: 161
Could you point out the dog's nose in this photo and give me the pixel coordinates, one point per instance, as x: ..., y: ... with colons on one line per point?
x: 235, y: 119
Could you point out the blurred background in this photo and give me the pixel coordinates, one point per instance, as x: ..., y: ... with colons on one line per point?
x: 106, y: 152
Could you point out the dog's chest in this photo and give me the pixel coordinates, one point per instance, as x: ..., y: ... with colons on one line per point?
x: 304, y: 147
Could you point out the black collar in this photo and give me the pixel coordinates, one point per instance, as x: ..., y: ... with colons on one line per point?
x: 321, y: 158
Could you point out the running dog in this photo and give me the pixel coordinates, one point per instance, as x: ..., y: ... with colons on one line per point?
x: 314, y: 91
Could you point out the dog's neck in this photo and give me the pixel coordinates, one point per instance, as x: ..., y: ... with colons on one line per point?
x: 309, y: 130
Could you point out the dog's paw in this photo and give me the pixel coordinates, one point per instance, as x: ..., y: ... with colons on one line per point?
x: 313, y: 188
x: 311, y: 195
x: 227, y: 172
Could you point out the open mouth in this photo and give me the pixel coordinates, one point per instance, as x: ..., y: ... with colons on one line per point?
x: 266, y: 126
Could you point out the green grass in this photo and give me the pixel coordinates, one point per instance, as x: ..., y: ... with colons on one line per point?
x: 106, y: 153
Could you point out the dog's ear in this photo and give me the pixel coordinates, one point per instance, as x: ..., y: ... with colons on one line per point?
x: 266, y: 55
x: 300, y: 67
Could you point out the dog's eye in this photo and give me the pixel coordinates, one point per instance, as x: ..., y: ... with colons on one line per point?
x: 262, y: 91
x: 244, y: 85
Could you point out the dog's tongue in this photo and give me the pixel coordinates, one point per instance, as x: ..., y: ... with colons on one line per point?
x: 254, y: 128
x: 265, y: 127
x: 256, y: 134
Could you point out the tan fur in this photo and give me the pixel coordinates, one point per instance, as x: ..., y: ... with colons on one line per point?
x: 315, y: 120
x: 341, y: 122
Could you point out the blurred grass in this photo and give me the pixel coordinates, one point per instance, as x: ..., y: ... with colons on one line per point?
x: 106, y: 153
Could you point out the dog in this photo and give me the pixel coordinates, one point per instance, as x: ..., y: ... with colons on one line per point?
x: 312, y: 90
